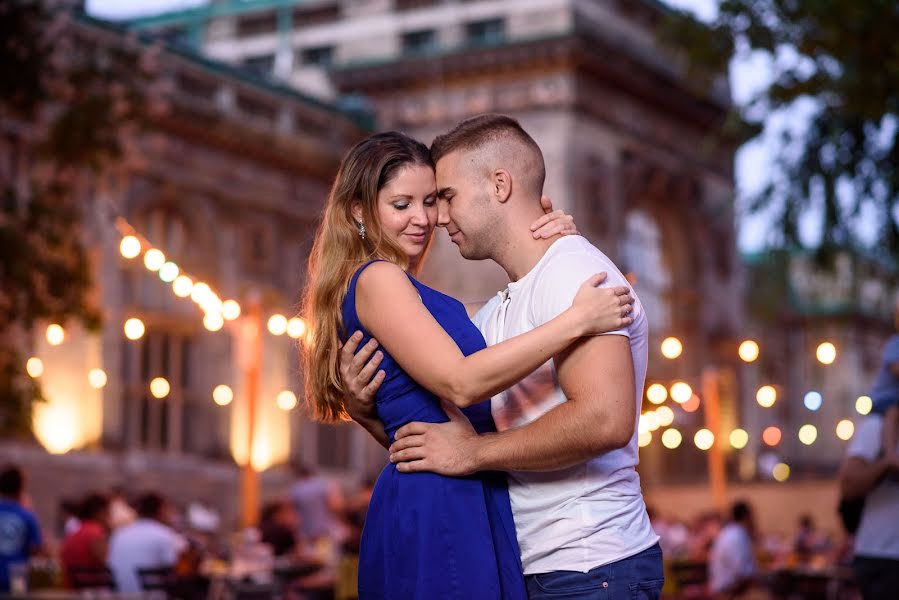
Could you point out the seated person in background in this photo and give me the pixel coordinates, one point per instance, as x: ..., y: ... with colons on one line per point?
x: 20, y: 534
x: 278, y: 526
x: 87, y: 546
x: 732, y: 559
x: 147, y: 543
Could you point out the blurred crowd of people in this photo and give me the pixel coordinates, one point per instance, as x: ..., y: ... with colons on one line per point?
x: 123, y: 542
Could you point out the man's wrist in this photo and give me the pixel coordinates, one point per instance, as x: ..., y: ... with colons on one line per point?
x: 476, y: 453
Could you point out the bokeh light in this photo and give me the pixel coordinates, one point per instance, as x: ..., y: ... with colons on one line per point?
x: 97, y: 378
x: 748, y: 351
x: 691, y: 405
x: 826, y: 353
x: 277, y: 324
x: 168, y: 272
x: 160, y: 387
x: 772, y: 435
x: 704, y: 439
x: 129, y: 247
x: 863, y: 405
x: 665, y: 416
x: 230, y: 309
x: 781, y: 472
x: 34, y: 367
x: 672, y: 348
x: 738, y: 438
x: 55, y: 334
x: 672, y: 438
x: 808, y: 433
x: 296, y: 328
x: 845, y: 430
x: 681, y: 392
x: 286, y: 400
x: 766, y: 396
x: 134, y: 328
x: 657, y: 393
x: 813, y: 400
x: 154, y: 259
x: 222, y: 395
x: 213, y: 321
x: 644, y: 439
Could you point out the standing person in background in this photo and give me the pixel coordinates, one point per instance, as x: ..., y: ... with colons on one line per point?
x: 318, y: 504
x: 87, y: 547
x: 20, y: 533
x: 885, y: 393
x: 732, y: 559
x: 866, y: 474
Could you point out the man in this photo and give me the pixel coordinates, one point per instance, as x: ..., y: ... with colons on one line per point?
x: 87, y: 547
x: 865, y: 474
x: 567, y: 434
x: 20, y: 534
x: 147, y: 543
x: 732, y: 559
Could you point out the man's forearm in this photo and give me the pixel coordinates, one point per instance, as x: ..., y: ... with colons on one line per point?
x: 859, y: 477
x: 563, y: 437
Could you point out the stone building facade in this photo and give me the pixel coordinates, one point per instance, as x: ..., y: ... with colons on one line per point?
x: 228, y: 182
x: 631, y: 142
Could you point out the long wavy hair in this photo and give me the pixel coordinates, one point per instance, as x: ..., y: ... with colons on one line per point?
x: 338, y: 250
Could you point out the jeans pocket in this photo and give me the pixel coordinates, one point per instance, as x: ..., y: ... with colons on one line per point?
x: 651, y: 589
x: 563, y: 583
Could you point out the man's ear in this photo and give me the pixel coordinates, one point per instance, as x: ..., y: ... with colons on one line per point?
x: 356, y: 211
x: 501, y: 185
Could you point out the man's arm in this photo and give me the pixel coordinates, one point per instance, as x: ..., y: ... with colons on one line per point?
x: 597, y: 377
x: 859, y: 476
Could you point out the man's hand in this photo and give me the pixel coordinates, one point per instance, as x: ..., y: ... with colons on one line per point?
x: 356, y: 370
x: 444, y: 448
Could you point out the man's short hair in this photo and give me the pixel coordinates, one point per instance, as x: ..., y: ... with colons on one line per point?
x: 483, y: 130
x: 149, y: 505
x: 740, y: 511
x: 12, y: 481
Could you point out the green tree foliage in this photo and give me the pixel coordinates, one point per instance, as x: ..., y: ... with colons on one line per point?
x: 847, y: 65
x: 67, y: 106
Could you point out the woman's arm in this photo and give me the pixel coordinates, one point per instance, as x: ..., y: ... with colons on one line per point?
x: 390, y: 308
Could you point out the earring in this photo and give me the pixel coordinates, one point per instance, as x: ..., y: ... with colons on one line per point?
x: 361, y: 228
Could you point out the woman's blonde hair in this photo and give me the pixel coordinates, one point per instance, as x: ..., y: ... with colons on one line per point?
x: 339, y: 250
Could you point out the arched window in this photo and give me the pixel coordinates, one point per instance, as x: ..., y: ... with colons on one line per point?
x: 643, y: 257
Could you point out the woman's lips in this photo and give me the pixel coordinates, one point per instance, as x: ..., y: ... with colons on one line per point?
x: 418, y: 238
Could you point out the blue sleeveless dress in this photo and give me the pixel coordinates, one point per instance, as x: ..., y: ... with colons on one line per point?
x: 427, y: 536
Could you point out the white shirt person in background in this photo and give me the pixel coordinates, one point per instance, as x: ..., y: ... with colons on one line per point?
x: 567, y: 434
x: 732, y: 558
x: 147, y: 543
x: 866, y: 474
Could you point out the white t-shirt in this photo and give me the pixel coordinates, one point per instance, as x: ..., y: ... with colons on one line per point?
x: 731, y: 558
x: 143, y: 544
x: 878, y: 531
x: 590, y: 514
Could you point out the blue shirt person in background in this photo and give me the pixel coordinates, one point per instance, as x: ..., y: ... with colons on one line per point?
x: 20, y: 534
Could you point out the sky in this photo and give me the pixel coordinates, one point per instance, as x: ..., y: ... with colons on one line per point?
x: 748, y: 74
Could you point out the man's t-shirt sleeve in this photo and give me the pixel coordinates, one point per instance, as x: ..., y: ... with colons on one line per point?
x: 562, y: 278
x: 866, y: 441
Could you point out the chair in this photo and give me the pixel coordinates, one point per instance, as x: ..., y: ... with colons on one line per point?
x: 87, y: 578
x: 156, y: 578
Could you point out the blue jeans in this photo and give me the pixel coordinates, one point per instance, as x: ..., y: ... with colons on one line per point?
x: 639, y: 577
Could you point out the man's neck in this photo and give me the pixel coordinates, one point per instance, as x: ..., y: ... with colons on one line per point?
x: 519, y: 252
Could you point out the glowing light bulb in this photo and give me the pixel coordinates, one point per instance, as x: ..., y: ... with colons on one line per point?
x: 129, y: 247
x: 277, y: 324
x: 160, y: 387
x: 672, y: 438
x: 681, y: 392
x: 55, y: 334
x: 97, y: 378
x: 154, y: 259
x: 748, y: 351
x: 704, y: 439
x: 222, y: 395
x: 766, y: 396
x: 657, y: 393
x: 672, y: 348
x: 34, y: 367
x: 826, y: 353
x: 134, y: 329
x: 286, y: 400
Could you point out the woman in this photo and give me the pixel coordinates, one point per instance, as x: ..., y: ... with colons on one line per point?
x: 426, y: 536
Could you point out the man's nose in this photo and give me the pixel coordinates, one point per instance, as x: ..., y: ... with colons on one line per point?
x: 443, y: 217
